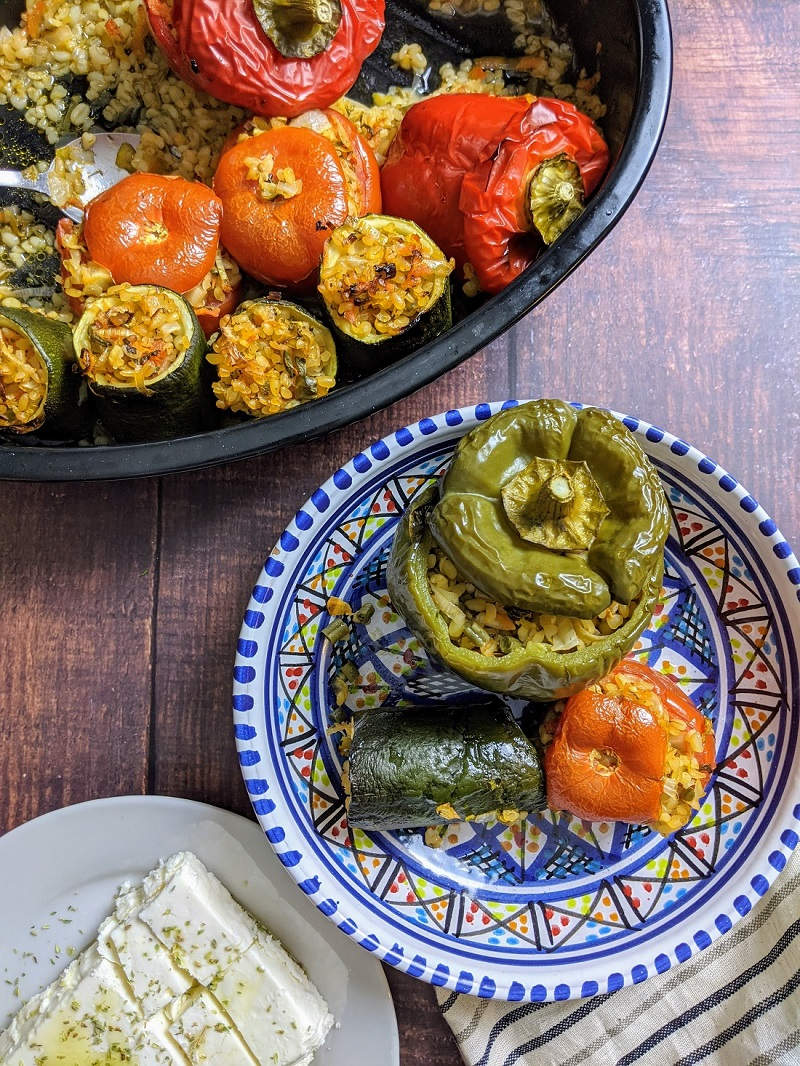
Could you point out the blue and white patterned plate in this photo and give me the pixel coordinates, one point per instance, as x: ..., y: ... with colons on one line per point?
x: 554, y: 908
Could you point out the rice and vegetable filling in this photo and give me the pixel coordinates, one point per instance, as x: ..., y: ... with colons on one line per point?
x: 379, y: 275
x: 479, y: 623
x: 135, y: 335
x: 270, y: 356
x: 23, y: 378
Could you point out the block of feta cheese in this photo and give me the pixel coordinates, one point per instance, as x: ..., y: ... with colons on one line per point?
x: 179, y: 975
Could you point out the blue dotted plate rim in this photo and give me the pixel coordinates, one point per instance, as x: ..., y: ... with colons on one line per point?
x: 278, y: 820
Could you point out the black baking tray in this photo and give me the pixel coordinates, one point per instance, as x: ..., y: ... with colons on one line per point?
x: 628, y: 40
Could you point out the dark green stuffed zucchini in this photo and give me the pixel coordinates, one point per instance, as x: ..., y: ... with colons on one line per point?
x: 141, y: 349
x: 40, y: 389
x: 386, y: 287
x: 429, y: 766
x: 270, y: 355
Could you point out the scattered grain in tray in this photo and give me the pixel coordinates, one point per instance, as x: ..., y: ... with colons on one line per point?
x: 107, y: 42
x: 410, y: 57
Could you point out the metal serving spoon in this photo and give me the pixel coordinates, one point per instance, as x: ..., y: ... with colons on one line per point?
x: 99, y: 174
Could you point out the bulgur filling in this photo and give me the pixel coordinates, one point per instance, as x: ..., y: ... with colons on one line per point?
x: 135, y: 336
x: 410, y: 57
x: 477, y: 623
x: 269, y: 358
x: 380, y: 279
x: 82, y: 278
x: 217, y: 285
x: 684, y: 777
x: 23, y: 379
x: 273, y: 184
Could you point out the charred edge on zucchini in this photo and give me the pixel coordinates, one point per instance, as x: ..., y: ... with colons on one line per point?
x: 141, y: 349
x: 38, y: 390
x: 269, y: 356
x: 386, y: 288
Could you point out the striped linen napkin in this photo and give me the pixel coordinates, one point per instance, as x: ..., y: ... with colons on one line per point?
x: 735, y: 1004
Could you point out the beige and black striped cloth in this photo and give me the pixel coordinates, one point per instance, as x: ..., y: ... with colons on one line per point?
x: 735, y: 1004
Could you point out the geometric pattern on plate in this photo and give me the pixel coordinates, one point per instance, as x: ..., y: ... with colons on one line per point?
x: 553, y: 886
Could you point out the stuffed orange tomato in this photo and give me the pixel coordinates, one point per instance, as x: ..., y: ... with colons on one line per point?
x: 356, y: 158
x: 155, y: 229
x: 632, y: 748
x: 284, y: 189
x: 84, y: 279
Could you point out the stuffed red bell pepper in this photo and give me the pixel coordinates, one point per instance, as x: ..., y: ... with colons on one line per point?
x: 529, y: 190
x: 273, y: 57
x: 491, y: 177
x: 439, y: 141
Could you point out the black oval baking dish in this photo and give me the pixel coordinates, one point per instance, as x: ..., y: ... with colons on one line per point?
x: 630, y: 41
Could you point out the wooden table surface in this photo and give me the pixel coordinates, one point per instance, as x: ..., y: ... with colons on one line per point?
x: 120, y: 603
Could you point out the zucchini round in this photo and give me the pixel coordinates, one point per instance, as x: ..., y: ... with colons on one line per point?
x: 39, y: 387
x: 386, y: 287
x: 141, y: 349
x: 270, y: 355
x: 429, y: 766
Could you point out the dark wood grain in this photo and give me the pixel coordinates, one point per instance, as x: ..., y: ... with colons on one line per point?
x: 76, y: 596
x: 121, y: 604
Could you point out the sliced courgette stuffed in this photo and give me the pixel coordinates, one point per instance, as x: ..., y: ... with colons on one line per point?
x: 141, y: 349
x: 424, y: 767
x: 40, y: 390
x: 270, y: 355
x: 386, y: 287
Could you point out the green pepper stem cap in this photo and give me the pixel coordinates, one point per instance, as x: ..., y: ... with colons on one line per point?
x: 299, y: 29
x: 555, y: 503
x: 555, y: 196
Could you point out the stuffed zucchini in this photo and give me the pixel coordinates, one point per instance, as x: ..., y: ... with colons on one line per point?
x: 424, y: 767
x: 535, y: 564
x: 270, y: 355
x: 386, y: 288
x: 141, y: 349
x: 39, y: 389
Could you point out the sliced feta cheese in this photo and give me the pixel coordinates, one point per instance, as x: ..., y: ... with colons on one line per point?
x: 205, y: 1033
x: 180, y: 975
x: 87, y: 1016
x: 281, y: 1016
x: 194, y: 915
x: 146, y: 962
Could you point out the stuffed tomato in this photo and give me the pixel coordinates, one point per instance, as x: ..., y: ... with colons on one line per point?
x: 632, y: 748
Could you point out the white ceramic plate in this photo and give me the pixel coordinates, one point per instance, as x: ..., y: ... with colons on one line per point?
x: 58, y: 875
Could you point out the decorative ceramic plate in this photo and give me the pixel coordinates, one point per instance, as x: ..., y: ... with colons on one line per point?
x: 553, y: 908
x: 60, y: 873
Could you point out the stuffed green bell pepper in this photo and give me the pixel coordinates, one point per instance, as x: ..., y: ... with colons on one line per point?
x: 535, y: 563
